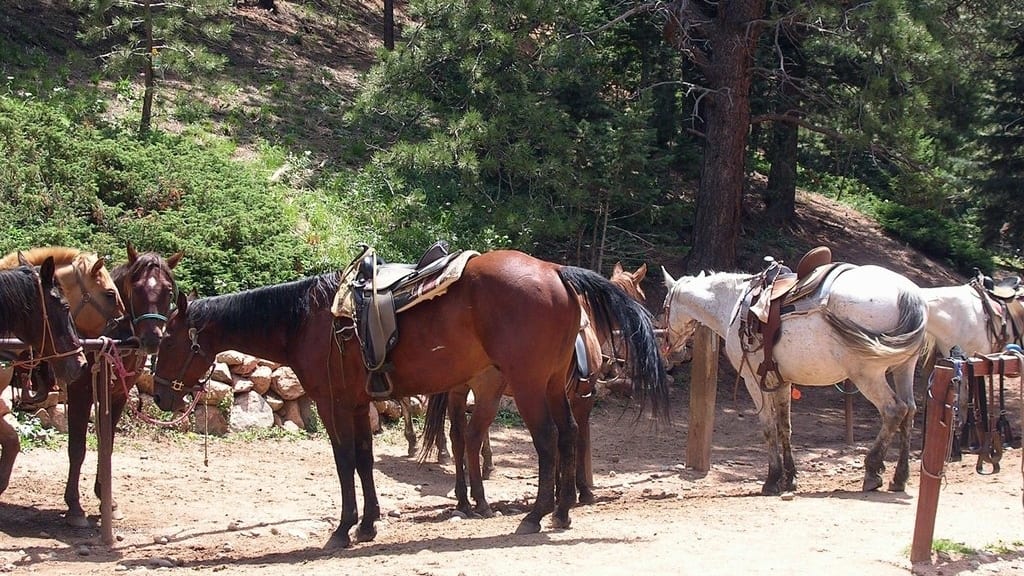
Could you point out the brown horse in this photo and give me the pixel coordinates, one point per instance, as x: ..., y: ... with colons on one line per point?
x: 509, y: 312
x: 471, y: 443
x: 146, y: 286
x: 33, y: 309
x: 87, y: 285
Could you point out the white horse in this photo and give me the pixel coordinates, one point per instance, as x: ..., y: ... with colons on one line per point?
x: 959, y: 316
x: 871, y: 321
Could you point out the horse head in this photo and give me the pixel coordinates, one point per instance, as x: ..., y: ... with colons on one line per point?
x: 679, y: 323
x: 147, y: 288
x: 95, y: 302
x: 49, y: 328
x: 182, y: 359
x: 630, y: 281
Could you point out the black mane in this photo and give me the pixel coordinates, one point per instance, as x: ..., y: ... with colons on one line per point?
x: 277, y: 307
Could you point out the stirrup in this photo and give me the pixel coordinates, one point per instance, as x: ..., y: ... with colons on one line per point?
x: 378, y: 386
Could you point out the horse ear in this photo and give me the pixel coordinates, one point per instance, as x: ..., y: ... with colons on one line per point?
x: 46, y: 271
x: 133, y: 255
x: 22, y: 260
x: 100, y: 261
x: 669, y: 280
x: 618, y: 269
x: 182, y: 303
x: 173, y: 260
x: 641, y: 272
x: 701, y: 275
x: 193, y: 295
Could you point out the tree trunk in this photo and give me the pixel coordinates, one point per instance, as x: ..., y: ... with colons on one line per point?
x: 780, y: 194
x: 147, y: 95
x: 723, y: 172
x: 389, y: 24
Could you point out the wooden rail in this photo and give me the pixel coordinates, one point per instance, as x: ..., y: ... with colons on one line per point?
x: 938, y: 434
x: 101, y: 391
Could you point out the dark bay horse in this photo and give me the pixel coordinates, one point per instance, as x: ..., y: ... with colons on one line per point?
x: 471, y: 443
x: 509, y: 312
x: 147, y: 288
x: 33, y: 309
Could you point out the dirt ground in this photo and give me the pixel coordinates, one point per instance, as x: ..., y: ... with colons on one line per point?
x: 268, y: 506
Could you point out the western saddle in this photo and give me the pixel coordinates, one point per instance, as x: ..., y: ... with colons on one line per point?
x: 778, y: 291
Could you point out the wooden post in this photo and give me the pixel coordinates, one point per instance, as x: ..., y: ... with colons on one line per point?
x: 938, y: 430
x: 106, y: 449
x: 703, y: 393
x: 933, y: 458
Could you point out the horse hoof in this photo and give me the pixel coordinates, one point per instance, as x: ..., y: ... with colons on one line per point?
x: 770, y: 490
x: 77, y: 521
x: 338, y: 540
x: 872, y: 483
x: 528, y: 527
x: 483, y: 512
x: 365, y: 534
x: 560, y: 524
x: 587, y: 498
x: 894, y: 487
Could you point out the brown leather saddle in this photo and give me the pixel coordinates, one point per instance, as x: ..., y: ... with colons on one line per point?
x: 777, y: 291
x: 379, y: 290
x: 1005, y: 312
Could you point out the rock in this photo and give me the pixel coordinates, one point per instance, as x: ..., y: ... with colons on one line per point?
x: 286, y: 384
x: 215, y: 392
x: 209, y: 420
x: 220, y: 373
x: 241, y: 384
x: 261, y: 378
x: 250, y: 410
x: 290, y: 414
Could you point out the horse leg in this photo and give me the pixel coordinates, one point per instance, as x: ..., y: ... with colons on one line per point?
x: 767, y: 410
x: 784, y: 403
x: 487, y: 389
x: 457, y: 432
x: 10, y: 446
x: 410, y: 432
x: 581, y: 408
x: 876, y: 389
x: 340, y: 428
x: 364, y: 467
x: 78, y: 405
x: 535, y: 413
x: 903, y: 377
x: 568, y: 431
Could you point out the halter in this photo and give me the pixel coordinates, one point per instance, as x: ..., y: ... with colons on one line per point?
x: 178, y: 384
x: 150, y: 315
x: 87, y: 300
x: 34, y: 361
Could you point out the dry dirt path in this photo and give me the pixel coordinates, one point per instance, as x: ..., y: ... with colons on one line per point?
x: 266, y: 507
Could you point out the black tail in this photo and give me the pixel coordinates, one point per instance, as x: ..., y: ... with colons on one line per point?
x: 433, y: 424
x: 613, y: 308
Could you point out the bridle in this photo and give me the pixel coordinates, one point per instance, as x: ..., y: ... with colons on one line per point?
x: 135, y: 319
x: 104, y: 310
x: 34, y: 361
x: 178, y: 384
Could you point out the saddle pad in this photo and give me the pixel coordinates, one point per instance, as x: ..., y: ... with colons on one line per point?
x: 344, y: 301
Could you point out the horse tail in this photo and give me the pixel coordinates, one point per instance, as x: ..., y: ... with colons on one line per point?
x: 433, y: 424
x: 906, y: 339
x: 612, y: 307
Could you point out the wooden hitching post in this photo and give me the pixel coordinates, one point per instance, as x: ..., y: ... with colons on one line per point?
x: 101, y: 383
x: 703, y: 392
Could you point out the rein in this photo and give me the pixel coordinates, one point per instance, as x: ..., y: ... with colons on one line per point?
x: 34, y: 361
x: 110, y: 353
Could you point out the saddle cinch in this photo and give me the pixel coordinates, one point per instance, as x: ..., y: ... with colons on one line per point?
x: 777, y: 292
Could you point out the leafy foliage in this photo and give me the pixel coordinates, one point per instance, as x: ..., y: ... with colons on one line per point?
x: 72, y: 180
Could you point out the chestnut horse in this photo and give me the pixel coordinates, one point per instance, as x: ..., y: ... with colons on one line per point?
x: 509, y: 312
x: 33, y: 309
x: 471, y: 446
x: 147, y: 288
